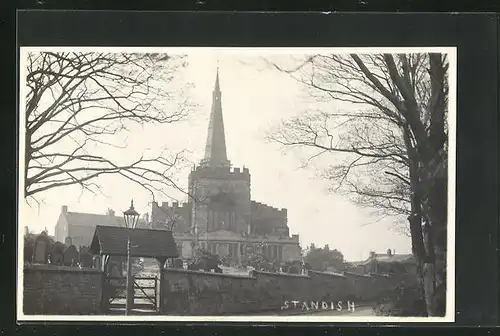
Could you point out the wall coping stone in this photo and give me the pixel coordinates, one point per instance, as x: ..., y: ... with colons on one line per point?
x: 331, y: 274
x: 357, y: 275
x: 52, y: 268
x: 177, y: 270
x: 282, y: 274
x: 379, y: 275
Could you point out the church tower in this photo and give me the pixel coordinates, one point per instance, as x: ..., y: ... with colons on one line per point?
x: 221, y: 194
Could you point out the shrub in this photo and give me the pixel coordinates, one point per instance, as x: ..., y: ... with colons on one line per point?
x: 404, y: 300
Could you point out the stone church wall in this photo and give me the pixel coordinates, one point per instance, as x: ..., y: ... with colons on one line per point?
x: 232, y: 186
x: 268, y: 220
x: 180, y: 212
x: 291, y: 252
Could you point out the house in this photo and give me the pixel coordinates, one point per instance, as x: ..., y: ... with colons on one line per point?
x: 80, y: 227
x: 384, y: 263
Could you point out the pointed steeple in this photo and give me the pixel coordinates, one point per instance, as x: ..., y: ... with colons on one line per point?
x: 217, y: 85
x: 215, y: 149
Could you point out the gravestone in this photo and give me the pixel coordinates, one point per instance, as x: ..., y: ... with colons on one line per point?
x: 56, y: 255
x: 41, y: 248
x: 68, y: 241
x: 70, y: 256
x: 85, y: 258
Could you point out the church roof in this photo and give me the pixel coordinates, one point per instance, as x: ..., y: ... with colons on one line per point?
x: 215, y: 149
x: 146, y: 243
x: 92, y: 220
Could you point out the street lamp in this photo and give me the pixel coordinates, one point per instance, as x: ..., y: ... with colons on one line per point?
x: 131, y: 218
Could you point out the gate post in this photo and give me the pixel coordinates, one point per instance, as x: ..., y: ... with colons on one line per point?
x: 161, y: 306
x: 104, y: 296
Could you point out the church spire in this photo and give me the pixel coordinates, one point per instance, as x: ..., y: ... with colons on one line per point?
x: 215, y: 149
x: 217, y: 85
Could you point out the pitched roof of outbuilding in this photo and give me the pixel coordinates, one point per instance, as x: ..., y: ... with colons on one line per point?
x: 92, y: 220
x: 384, y: 258
x: 394, y: 258
x: 148, y: 243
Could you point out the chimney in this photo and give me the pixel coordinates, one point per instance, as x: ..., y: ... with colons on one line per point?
x: 372, y: 254
x: 389, y: 252
x: 64, y: 209
x: 26, y: 231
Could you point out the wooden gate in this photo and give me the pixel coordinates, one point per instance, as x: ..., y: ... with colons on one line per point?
x: 145, y: 293
x: 115, y: 294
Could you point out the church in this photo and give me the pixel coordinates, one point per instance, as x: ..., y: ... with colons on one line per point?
x: 220, y: 215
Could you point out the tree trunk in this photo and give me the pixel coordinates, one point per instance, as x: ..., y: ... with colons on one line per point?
x: 436, y: 245
x: 435, y: 235
x: 429, y: 204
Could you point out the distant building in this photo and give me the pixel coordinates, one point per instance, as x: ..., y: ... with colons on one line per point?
x: 80, y: 227
x: 384, y: 263
x: 222, y: 218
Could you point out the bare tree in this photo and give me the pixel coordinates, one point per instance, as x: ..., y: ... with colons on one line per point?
x: 393, y: 140
x: 76, y: 105
x: 366, y: 151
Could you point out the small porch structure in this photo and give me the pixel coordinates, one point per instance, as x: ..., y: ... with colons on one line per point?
x: 110, y: 243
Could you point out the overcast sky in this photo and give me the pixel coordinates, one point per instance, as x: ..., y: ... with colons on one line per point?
x: 254, y: 99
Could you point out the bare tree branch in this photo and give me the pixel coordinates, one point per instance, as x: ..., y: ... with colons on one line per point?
x: 77, y: 102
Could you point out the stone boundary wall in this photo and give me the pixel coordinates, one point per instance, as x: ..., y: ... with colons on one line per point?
x: 185, y: 292
x: 201, y: 293
x: 60, y: 290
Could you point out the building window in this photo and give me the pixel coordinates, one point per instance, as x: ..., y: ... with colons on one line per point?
x: 212, y: 248
x: 227, y: 220
x: 274, y: 252
x: 216, y: 221
x: 233, y: 250
x: 233, y: 220
x: 210, y: 220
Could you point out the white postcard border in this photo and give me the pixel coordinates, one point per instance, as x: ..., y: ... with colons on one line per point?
x: 452, y: 116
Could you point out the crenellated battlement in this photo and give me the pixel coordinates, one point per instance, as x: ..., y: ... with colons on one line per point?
x: 168, y: 213
x: 269, y: 210
x: 173, y: 205
x: 226, y: 173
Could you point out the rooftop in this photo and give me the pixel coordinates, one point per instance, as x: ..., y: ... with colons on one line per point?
x: 384, y: 258
x: 148, y: 243
x: 92, y: 220
x: 392, y: 258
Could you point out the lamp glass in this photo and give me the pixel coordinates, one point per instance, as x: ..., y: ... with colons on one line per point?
x: 131, y: 216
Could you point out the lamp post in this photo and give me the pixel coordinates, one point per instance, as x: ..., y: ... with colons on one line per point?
x: 131, y: 217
